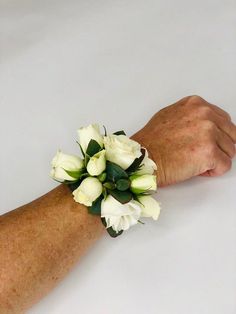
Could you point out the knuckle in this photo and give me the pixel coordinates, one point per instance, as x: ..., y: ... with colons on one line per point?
x: 230, y: 163
x: 229, y: 148
x: 195, y: 99
x: 222, y: 165
x: 212, y: 149
x: 233, y: 151
x: 226, y: 165
x: 209, y: 151
x: 208, y: 125
x: 199, y: 106
x: 204, y: 111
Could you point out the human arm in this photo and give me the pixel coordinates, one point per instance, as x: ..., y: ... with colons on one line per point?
x: 41, y: 241
x: 189, y: 138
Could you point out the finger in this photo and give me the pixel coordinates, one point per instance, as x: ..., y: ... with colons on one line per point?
x: 219, y: 111
x: 225, y: 125
x: 205, y: 174
x: 226, y: 144
x: 222, y: 164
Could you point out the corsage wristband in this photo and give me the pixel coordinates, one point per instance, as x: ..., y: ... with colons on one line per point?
x: 114, y: 179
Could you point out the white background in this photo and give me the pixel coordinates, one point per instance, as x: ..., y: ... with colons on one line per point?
x: 65, y: 64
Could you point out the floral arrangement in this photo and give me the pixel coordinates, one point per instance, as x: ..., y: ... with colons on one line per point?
x: 114, y: 178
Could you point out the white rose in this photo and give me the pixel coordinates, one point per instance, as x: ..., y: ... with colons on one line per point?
x: 143, y: 183
x: 88, y: 133
x: 88, y: 191
x: 150, y: 207
x: 121, y: 150
x: 148, y: 166
x: 97, y: 163
x: 62, y: 162
x: 120, y: 216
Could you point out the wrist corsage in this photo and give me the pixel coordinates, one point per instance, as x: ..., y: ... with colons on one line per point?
x: 114, y: 179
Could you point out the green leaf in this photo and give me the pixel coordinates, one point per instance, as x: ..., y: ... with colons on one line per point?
x: 74, y: 185
x: 109, y: 185
x: 84, y: 175
x: 136, y: 198
x: 93, y: 148
x: 86, y: 160
x: 104, y: 193
x: 113, y: 233
x: 82, y: 152
x: 115, y: 172
x: 121, y: 196
x: 121, y: 132
x: 110, y: 230
x: 105, y: 130
x: 74, y: 174
x: 123, y: 184
x: 137, y: 162
x: 102, y: 177
x: 95, y: 209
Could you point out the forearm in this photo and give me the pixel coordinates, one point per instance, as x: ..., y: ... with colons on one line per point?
x: 39, y: 243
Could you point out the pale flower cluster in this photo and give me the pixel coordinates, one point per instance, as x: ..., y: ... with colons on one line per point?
x: 118, y: 149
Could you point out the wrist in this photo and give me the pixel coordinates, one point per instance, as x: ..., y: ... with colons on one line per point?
x: 113, y: 178
x: 143, y: 138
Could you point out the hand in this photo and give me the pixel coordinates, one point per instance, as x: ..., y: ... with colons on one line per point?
x: 188, y: 138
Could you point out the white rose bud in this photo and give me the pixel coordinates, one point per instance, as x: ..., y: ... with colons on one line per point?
x: 62, y: 162
x: 143, y: 183
x: 121, y: 150
x: 88, y: 133
x: 150, y: 207
x: 120, y: 216
x: 148, y: 166
x: 97, y: 163
x: 88, y: 191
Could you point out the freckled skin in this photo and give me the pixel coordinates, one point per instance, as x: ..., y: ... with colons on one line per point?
x: 41, y: 241
x: 188, y: 138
